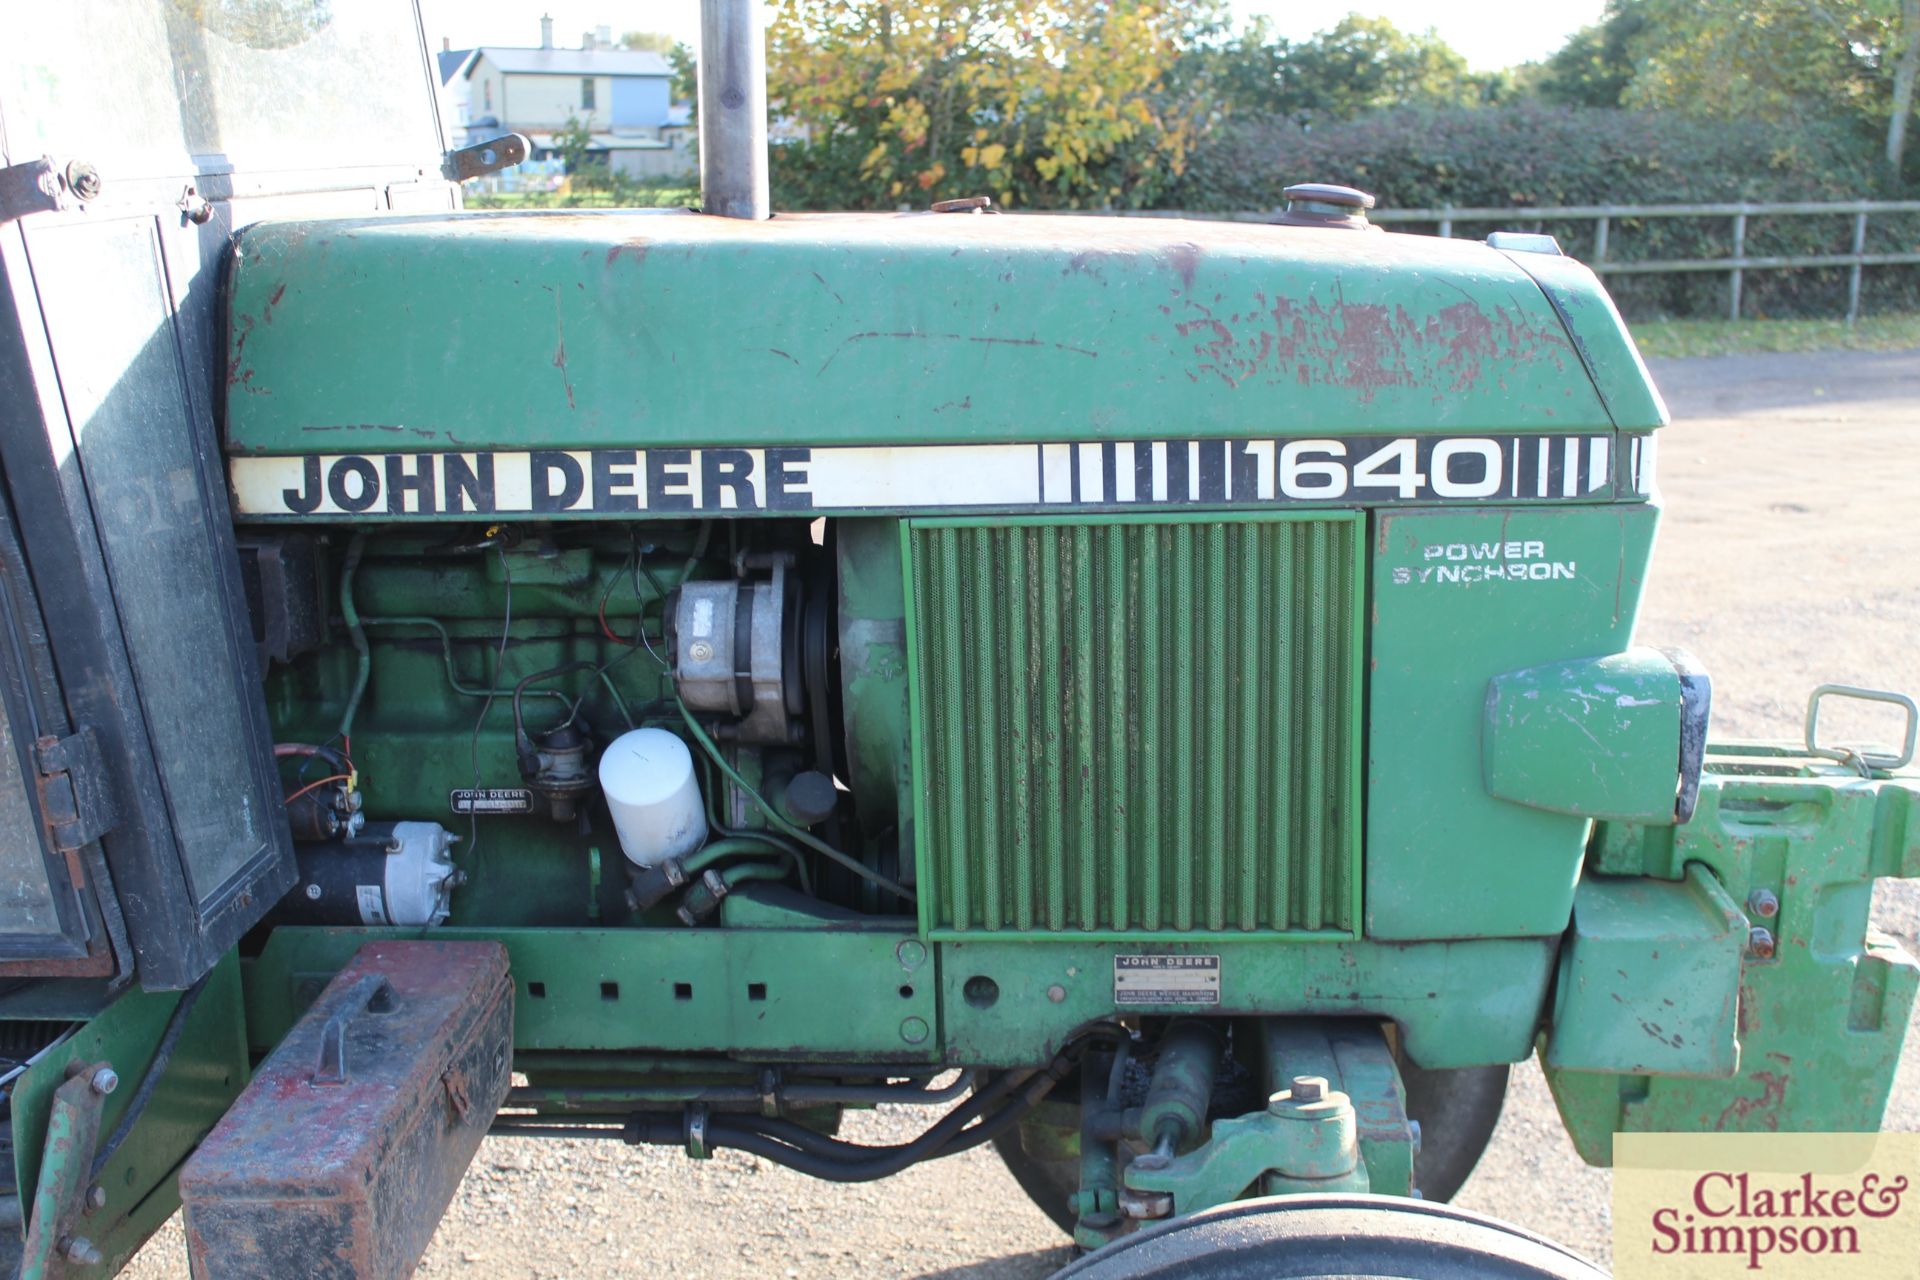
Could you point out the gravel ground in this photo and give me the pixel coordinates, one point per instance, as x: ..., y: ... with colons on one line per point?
x: 1789, y: 558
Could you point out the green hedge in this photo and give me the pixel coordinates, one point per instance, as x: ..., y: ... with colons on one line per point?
x: 1538, y: 155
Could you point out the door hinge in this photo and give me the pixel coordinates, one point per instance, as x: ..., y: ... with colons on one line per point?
x: 27, y: 188
x: 483, y: 158
x: 37, y: 186
x: 76, y: 796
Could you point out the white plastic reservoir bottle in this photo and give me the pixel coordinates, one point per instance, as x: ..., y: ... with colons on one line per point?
x: 647, y: 777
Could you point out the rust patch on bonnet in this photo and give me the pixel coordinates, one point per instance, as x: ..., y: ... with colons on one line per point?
x: 1184, y: 259
x: 1362, y: 346
x: 633, y: 247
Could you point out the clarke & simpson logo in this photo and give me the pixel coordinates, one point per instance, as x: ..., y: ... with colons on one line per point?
x: 1784, y: 1206
x: 1728, y: 1215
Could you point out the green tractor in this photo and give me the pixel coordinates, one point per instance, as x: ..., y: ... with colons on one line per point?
x: 1166, y: 689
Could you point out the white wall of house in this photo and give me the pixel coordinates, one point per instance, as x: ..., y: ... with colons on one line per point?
x: 547, y: 101
x: 537, y: 101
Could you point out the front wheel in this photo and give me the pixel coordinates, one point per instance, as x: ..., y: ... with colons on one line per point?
x: 1457, y: 1111
x: 1050, y: 1184
x: 1322, y: 1237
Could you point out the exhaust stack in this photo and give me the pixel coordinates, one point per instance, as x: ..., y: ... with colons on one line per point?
x: 733, y: 109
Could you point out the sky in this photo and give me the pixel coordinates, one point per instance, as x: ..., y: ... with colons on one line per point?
x: 1492, y: 36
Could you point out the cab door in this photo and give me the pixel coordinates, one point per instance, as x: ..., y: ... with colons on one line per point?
x: 140, y: 824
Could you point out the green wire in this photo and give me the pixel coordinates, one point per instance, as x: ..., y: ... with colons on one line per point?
x: 446, y: 652
x: 351, y: 616
x: 453, y: 677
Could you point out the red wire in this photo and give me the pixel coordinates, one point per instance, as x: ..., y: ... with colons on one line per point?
x: 315, y: 786
x: 605, y: 629
x: 302, y: 751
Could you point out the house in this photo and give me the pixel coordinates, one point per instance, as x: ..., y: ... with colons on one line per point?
x: 623, y: 96
x: 450, y: 63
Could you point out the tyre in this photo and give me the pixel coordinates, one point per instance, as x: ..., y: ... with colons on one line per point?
x: 1457, y: 1111
x: 1050, y: 1184
x: 1322, y: 1237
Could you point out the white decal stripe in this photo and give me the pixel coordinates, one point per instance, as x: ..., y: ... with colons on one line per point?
x: 933, y: 476
x: 1056, y: 469
x: 1093, y: 474
x: 952, y: 477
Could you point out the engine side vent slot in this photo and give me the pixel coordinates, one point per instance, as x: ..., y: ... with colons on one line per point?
x: 1137, y: 726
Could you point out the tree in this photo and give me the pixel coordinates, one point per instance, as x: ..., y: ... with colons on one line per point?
x: 1061, y: 102
x: 1906, y: 71
x: 1243, y: 74
x: 686, y: 80
x: 574, y: 141
x: 1597, y: 63
x: 1781, y: 59
x: 1367, y: 64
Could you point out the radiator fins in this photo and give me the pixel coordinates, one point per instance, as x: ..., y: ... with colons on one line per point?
x: 1138, y: 727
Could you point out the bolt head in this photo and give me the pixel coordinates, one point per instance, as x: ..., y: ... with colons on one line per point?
x: 700, y: 651
x: 106, y: 1080
x: 1763, y: 903
x: 1057, y: 993
x: 1760, y: 943
x: 1309, y: 1088
x: 80, y: 1250
x: 83, y: 180
x: 96, y: 1197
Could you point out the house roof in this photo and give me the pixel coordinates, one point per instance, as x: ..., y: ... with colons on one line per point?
x: 450, y: 61
x: 574, y: 62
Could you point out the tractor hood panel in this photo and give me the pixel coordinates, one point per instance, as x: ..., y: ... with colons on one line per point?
x: 557, y: 331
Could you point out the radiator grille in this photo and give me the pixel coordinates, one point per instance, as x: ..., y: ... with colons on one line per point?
x: 1136, y: 726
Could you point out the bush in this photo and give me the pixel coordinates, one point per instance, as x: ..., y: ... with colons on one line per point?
x: 1530, y: 154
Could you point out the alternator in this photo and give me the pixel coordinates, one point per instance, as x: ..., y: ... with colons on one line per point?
x: 731, y: 645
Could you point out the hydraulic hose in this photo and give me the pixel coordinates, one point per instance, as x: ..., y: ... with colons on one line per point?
x: 752, y: 1135
x: 162, y: 1055
x: 745, y: 847
x: 780, y: 822
x: 985, y: 1116
x: 936, y: 1136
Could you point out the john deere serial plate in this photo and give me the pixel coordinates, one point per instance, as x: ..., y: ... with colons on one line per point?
x: 1166, y: 980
